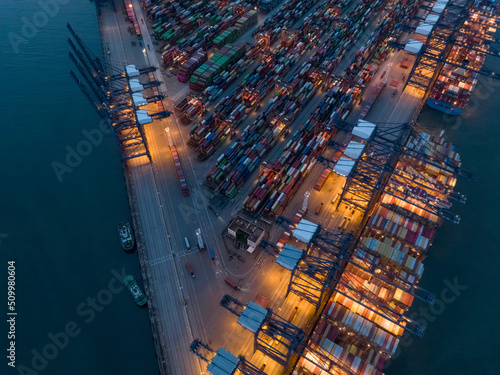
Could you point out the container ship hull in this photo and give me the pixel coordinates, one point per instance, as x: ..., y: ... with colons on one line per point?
x: 444, y: 107
x: 458, y: 77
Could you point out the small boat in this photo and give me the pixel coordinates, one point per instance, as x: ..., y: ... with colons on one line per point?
x: 126, y: 236
x: 135, y: 290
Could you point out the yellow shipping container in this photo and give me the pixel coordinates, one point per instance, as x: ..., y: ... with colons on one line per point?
x: 398, y: 294
x: 384, y: 293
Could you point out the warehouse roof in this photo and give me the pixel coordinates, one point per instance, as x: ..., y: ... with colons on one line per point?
x: 432, y: 19
x: 143, y: 117
x: 138, y: 99
x: 413, y: 46
x: 354, y: 150
x: 253, y: 316
x: 344, y: 166
x: 289, y: 256
x: 439, y: 6
x: 224, y: 363
x: 135, y: 85
x: 364, y: 129
x: 424, y: 29
x: 131, y: 71
x: 305, y: 231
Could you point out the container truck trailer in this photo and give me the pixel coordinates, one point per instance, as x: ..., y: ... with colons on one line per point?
x: 201, y: 245
x: 232, y: 284
x: 210, y: 251
x: 190, y: 269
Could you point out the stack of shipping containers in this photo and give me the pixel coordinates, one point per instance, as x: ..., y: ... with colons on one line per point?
x: 187, y: 69
x: 259, y: 138
x: 205, y: 74
x: 356, y: 333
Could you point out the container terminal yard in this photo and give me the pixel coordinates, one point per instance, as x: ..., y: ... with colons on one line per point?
x: 283, y: 195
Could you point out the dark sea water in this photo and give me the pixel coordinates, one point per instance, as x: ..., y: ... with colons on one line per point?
x: 62, y: 234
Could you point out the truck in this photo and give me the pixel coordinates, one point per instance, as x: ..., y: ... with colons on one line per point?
x: 342, y: 222
x: 334, y: 200
x: 190, y: 269
x: 322, y: 179
x: 210, y: 251
x: 201, y: 245
x: 232, y: 284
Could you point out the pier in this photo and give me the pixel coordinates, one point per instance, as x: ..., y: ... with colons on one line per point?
x: 321, y: 91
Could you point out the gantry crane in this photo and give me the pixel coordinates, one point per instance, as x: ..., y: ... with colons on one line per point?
x: 277, y: 338
x: 288, y: 38
x: 238, y: 11
x: 262, y: 41
x: 313, y: 271
x: 250, y: 97
x: 223, y: 362
x: 373, y: 167
x: 377, y: 171
x: 112, y: 97
x: 446, y: 32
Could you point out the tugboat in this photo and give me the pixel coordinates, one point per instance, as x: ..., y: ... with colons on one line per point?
x: 135, y: 290
x: 126, y: 236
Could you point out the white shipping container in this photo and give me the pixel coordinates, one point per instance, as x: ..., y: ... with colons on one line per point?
x: 337, y: 352
x: 358, y: 323
x: 350, y: 318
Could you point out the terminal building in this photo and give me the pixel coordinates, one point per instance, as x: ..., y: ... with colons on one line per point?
x: 245, y: 233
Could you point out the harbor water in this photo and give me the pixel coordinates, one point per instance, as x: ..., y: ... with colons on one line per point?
x: 63, y: 193
x: 62, y: 197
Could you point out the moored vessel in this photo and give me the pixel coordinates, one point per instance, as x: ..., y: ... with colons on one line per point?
x: 135, y: 290
x: 126, y: 236
x: 457, y: 79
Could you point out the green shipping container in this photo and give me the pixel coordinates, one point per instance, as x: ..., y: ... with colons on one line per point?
x: 233, y: 192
